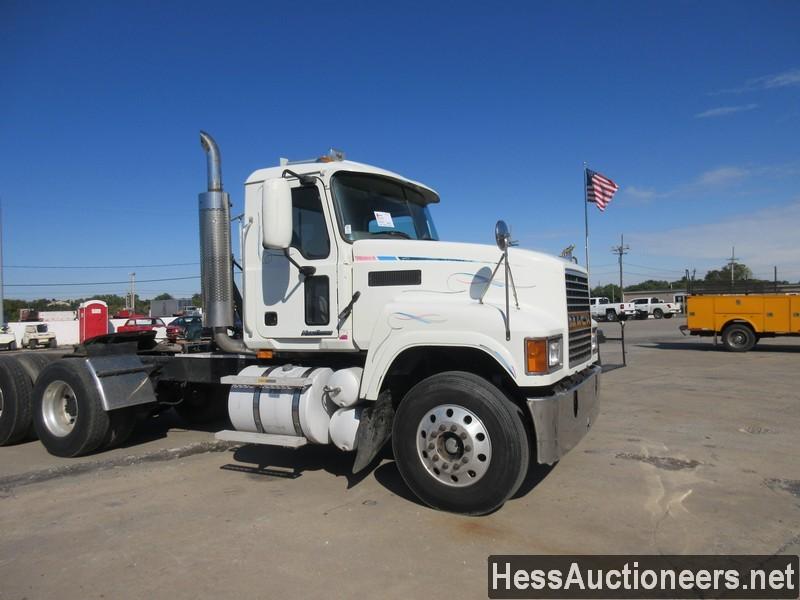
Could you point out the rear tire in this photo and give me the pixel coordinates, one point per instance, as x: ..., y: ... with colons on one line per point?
x: 52, y: 343
x: 658, y: 314
x: 15, y: 402
x: 668, y: 315
x: 32, y: 344
x: 738, y: 337
x: 68, y: 414
x: 611, y: 315
x: 480, y: 448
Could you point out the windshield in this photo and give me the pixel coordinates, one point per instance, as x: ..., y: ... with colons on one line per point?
x: 369, y: 206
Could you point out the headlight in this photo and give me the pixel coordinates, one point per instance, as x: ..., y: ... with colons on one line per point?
x: 543, y: 355
x: 554, y: 352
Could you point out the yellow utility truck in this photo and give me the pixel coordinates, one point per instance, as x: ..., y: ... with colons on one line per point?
x: 742, y: 320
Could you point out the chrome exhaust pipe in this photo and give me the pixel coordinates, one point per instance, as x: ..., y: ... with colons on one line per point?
x: 216, y: 260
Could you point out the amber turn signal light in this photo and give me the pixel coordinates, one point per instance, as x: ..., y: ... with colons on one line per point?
x: 536, y: 356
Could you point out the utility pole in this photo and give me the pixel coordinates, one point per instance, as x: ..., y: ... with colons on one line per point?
x: 621, y: 250
x: 732, y: 263
x: 133, y: 293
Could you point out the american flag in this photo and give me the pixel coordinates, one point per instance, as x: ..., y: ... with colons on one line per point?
x: 599, y: 189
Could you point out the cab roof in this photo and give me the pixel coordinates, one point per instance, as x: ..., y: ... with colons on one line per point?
x: 326, y: 169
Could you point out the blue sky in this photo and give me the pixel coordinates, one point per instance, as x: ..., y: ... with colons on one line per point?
x: 693, y: 108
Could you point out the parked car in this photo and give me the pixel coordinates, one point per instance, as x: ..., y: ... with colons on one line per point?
x: 140, y: 324
x: 38, y: 335
x: 8, y: 341
x: 656, y: 307
x: 185, y: 328
x: 127, y: 313
x: 604, y: 310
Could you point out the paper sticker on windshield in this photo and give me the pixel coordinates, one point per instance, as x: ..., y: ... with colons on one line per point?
x: 348, y: 229
x: 384, y: 219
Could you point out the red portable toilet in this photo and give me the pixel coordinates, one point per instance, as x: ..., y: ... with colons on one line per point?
x: 92, y: 319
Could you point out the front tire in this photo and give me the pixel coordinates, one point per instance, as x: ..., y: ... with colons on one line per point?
x: 738, y: 337
x: 68, y: 415
x: 460, y: 443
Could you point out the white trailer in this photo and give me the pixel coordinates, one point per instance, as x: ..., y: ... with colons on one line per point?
x: 355, y: 324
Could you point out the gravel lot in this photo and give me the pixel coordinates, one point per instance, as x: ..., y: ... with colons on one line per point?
x: 695, y: 452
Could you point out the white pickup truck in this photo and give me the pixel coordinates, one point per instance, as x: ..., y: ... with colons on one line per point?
x: 604, y: 310
x: 656, y: 307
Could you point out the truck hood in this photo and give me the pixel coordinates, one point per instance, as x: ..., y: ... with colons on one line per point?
x: 445, y: 276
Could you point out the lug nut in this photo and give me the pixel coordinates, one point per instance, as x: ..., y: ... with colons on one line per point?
x: 453, y: 427
x: 445, y: 466
x: 456, y: 466
x: 467, y: 448
x: 463, y: 435
x: 441, y: 428
x: 464, y: 459
x: 435, y: 457
x: 430, y: 446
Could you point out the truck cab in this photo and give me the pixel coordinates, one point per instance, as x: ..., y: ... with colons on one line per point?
x: 364, y: 272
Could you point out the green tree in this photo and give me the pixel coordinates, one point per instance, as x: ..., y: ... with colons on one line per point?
x: 164, y: 297
x: 650, y: 284
x: 197, y: 300
x: 610, y: 291
x: 723, y: 275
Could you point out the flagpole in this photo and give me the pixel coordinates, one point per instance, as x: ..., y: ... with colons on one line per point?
x: 586, y: 218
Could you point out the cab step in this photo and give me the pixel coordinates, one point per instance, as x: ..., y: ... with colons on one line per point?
x: 267, y: 439
x: 267, y: 382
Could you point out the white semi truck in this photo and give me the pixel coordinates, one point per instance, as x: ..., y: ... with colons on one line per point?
x: 355, y: 325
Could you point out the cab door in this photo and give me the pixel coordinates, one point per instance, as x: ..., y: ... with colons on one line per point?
x: 302, y: 308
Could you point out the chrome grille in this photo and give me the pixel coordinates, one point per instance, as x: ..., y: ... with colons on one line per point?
x: 579, y: 319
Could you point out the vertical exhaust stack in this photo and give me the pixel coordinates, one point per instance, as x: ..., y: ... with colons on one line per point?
x: 216, y: 260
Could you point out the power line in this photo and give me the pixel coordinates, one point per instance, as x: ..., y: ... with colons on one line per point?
x: 187, y: 264
x: 99, y: 282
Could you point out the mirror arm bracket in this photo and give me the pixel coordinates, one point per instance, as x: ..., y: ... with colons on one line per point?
x: 305, y: 270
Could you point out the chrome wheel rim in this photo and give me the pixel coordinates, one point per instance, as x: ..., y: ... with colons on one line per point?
x: 453, y: 445
x: 738, y: 338
x: 59, y: 408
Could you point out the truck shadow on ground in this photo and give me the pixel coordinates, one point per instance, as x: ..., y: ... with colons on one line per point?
x: 285, y: 463
x: 152, y: 428
x: 270, y: 462
x: 710, y: 347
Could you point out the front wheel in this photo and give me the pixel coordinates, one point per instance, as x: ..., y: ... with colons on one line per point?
x: 460, y: 443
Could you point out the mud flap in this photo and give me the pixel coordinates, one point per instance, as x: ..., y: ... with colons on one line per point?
x: 373, y: 431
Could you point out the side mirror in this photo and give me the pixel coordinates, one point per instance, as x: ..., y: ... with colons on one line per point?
x: 276, y: 214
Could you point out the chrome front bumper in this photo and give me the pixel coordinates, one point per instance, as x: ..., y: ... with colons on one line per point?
x: 561, y: 420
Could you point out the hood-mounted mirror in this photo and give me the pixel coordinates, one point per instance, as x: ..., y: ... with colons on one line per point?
x: 502, y: 235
